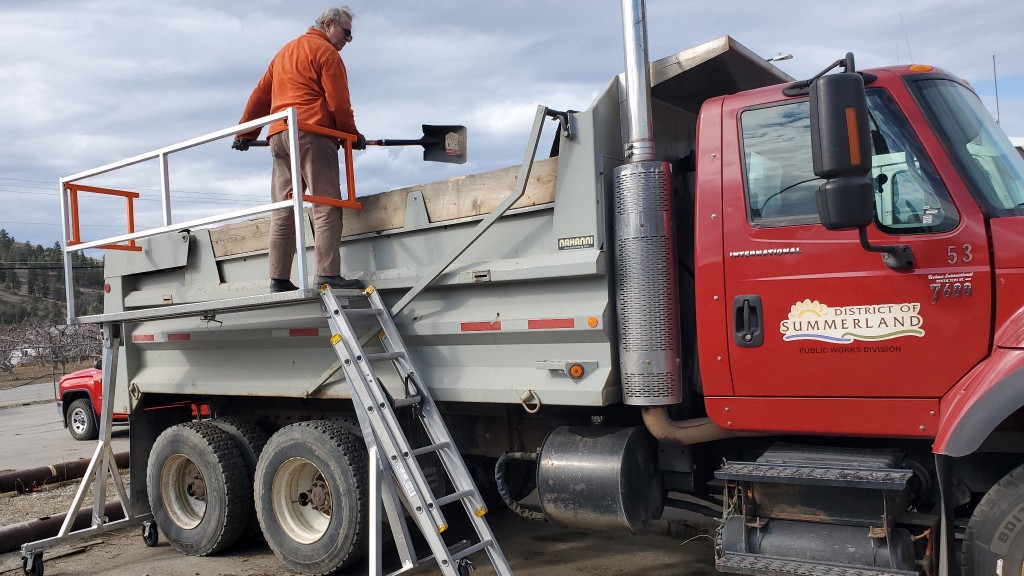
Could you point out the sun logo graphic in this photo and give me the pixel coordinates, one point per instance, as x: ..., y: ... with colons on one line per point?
x: 813, y: 320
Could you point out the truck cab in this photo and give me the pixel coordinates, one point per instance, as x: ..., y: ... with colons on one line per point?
x: 851, y: 344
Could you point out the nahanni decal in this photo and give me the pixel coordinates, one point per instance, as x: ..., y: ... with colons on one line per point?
x: 813, y: 320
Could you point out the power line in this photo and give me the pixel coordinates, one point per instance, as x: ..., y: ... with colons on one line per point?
x: 56, y: 266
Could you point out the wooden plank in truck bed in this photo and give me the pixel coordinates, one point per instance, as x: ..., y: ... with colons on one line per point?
x: 452, y: 199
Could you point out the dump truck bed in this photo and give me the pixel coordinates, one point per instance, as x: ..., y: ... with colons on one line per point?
x: 532, y: 296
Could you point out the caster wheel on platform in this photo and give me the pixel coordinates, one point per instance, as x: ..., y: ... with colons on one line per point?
x: 32, y: 564
x: 150, y: 535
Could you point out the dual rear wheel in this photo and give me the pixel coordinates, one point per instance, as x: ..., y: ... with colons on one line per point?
x: 214, y: 483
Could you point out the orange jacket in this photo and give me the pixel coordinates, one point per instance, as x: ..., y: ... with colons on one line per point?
x: 306, y: 73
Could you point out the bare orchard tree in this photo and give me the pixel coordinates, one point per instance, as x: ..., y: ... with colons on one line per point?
x: 62, y: 344
x: 10, y: 348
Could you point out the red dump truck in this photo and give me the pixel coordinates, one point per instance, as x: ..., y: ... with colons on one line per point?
x: 800, y: 302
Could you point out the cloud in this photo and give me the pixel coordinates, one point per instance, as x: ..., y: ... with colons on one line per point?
x: 91, y: 82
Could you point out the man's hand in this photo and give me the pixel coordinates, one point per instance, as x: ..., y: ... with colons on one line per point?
x: 241, y: 144
x: 360, y: 143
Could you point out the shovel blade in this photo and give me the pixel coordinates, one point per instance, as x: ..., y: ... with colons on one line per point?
x: 444, y: 144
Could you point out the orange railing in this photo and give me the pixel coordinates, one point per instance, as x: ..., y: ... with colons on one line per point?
x: 350, y: 179
x: 76, y: 232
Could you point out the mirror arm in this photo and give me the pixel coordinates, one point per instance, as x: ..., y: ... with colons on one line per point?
x: 896, y: 256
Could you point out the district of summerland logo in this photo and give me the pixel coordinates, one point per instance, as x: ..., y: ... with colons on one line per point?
x: 812, y: 320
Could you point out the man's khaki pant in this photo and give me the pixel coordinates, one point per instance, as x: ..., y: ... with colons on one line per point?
x: 318, y: 162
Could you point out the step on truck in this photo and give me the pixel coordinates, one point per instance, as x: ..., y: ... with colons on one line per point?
x: 798, y: 302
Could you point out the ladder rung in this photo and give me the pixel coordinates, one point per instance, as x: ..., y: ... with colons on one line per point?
x: 362, y: 312
x: 431, y: 448
x: 410, y: 401
x: 453, y: 497
x: 381, y: 356
x: 471, y: 550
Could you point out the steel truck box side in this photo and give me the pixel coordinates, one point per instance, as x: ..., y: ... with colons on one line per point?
x: 502, y: 324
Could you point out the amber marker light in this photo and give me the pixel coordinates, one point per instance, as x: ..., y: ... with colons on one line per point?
x: 592, y: 322
x: 854, y: 135
x: 576, y: 371
x: 921, y: 68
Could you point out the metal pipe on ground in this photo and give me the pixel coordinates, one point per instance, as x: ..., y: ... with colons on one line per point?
x: 22, y: 481
x: 14, y: 535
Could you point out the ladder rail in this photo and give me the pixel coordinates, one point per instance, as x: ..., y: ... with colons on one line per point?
x: 364, y: 391
x: 395, y: 461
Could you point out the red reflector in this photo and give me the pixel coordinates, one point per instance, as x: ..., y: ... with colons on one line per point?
x: 106, y: 288
x: 481, y: 326
x: 179, y: 337
x: 297, y: 332
x: 143, y: 338
x: 549, y: 323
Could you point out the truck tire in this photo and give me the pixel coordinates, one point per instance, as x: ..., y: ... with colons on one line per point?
x: 198, y: 488
x: 311, y: 496
x: 250, y: 440
x: 81, y: 420
x: 994, y: 540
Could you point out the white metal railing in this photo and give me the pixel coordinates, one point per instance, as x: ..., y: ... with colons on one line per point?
x: 69, y: 209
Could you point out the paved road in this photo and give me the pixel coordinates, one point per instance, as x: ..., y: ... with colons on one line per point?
x: 26, y: 394
x: 34, y: 436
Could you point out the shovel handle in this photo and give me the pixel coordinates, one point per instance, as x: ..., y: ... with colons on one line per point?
x: 419, y: 142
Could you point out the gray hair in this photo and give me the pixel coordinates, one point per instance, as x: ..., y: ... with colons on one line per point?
x: 335, y: 13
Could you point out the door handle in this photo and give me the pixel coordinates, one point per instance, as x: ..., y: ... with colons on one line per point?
x: 748, y: 322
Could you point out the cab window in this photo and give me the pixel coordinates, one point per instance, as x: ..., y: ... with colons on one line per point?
x: 780, y: 183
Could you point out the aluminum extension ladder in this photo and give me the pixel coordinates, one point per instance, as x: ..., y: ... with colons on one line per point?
x: 396, y: 476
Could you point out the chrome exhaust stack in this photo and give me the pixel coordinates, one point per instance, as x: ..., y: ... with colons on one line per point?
x: 647, y: 301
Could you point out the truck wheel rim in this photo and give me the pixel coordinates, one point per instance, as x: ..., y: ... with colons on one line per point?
x: 78, y: 421
x: 183, y: 491
x: 301, y: 500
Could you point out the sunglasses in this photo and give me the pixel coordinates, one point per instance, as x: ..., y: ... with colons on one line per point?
x: 347, y: 31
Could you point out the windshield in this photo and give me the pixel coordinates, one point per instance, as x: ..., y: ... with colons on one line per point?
x: 984, y: 155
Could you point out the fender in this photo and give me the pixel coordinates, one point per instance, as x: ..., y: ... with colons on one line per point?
x: 980, y: 402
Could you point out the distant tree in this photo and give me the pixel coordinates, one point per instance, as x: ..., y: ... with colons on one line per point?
x: 32, y: 283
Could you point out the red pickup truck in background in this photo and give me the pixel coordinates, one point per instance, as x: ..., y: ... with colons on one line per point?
x: 79, y: 399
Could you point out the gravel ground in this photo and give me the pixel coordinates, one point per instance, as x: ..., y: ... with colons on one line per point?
x: 47, y: 501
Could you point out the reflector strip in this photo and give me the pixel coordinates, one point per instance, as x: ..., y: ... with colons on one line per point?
x: 143, y: 338
x: 182, y: 337
x: 481, y: 326
x: 549, y: 323
x: 299, y: 332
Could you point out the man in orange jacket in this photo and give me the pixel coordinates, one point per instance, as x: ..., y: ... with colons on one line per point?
x: 309, y: 74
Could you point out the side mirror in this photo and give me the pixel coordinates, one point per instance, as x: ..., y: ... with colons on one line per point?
x: 841, y: 151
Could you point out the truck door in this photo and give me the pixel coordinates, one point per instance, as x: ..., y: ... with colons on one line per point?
x: 834, y: 321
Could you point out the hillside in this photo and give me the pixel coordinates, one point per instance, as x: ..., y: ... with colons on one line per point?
x: 32, y: 283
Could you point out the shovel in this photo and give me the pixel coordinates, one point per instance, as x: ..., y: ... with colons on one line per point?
x: 440, y: 143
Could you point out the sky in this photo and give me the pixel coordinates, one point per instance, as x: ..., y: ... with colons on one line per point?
x: 84, y: 83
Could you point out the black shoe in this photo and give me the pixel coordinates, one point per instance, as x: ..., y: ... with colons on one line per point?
x: 338, y: 282
x: 278, y: 285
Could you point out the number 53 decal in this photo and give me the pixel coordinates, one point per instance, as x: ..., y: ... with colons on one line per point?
x: 961, y: 254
